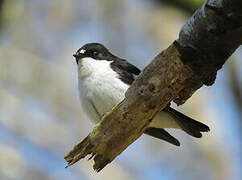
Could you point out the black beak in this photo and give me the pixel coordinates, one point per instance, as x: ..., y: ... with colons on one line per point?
x: 75, y: 55
x: 78, y: 56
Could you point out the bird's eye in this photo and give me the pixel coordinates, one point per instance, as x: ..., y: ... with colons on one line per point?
x: 95, y: 53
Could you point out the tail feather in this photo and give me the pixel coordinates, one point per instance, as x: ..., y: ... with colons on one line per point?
x: 162, y: 134
x: 189, y: 125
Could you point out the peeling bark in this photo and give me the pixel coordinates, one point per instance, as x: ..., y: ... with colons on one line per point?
x: 205, y: 42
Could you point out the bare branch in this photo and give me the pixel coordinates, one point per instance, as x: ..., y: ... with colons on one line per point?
x: 205, y: 42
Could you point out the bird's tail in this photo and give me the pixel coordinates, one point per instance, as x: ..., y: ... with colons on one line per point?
x: 162, y: 134
x: 187, y: 124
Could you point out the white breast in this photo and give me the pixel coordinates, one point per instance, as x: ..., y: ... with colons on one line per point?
x: 99, y: 86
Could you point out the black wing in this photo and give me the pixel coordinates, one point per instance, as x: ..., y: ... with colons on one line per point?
x: 189, y: 125
x: 160, y: 133
x: 125, y: 70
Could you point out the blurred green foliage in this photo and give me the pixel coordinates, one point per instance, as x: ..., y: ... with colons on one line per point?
x: 188, y: 6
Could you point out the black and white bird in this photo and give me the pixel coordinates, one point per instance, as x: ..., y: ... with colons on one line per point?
x: 103, y: 80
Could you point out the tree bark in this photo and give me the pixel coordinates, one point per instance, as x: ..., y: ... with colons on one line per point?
x: 205, y: 42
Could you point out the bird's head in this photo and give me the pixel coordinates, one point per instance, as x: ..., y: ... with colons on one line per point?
x: 95, y: 51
